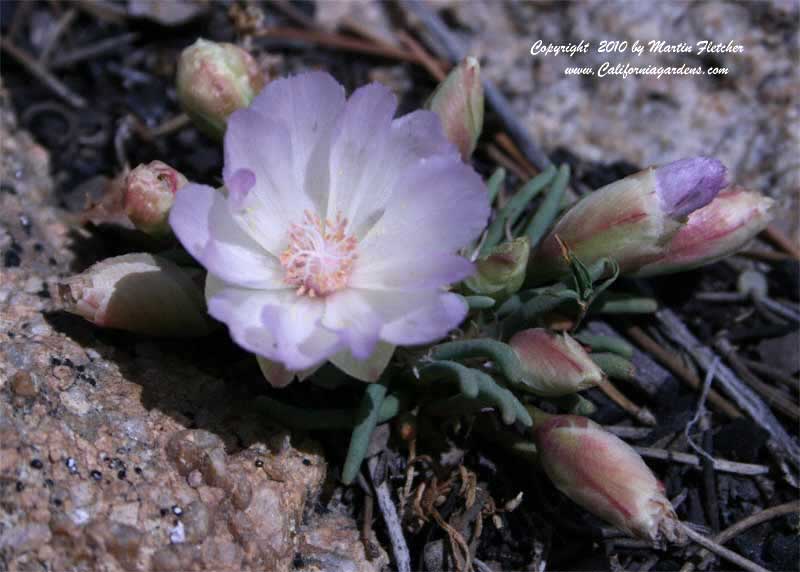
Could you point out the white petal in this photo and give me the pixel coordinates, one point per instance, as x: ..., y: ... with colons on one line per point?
x: 430, y: 321
x: 437, y: 207
x: 202, y: 222
x: 409, y: 271
x: 363, y: 317
x: 308, y: 104
x: 262, y: 146
x: 411, y: 138
x: 352, y: 317
x: 360, y: 136
x: 277, y: 325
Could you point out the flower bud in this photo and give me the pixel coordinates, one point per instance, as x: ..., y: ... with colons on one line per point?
x: 713, y: 232
x: 149, y: 193
x: 604, y: 475
x: 458, y: 101
x: 214, y: 80
x: 554, y: 364
x: 501, y: 272
x: 630, y: 220
x: 139, y: 293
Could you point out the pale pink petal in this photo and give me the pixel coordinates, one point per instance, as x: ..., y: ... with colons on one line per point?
x: 414, y: 137
x: 265, y: 199
x: 202, y: 223
x: 308, y: 104
x: 431, y: 320
x: 360, y: 137
x: 438, y: 207
x: 350, y: 315
x: 277, y: 325
x: 410, y: 271
x: 363, y: 317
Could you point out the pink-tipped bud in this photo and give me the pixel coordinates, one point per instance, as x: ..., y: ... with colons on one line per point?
x: 149, y: 193
x: 604, y: 475
x: 554, y: 364
x: 458, y: 101
x: 501, y: 272
x: 214, y: 80
x: 714, y: 232
x: 630, y: 220
x: 139, y: 293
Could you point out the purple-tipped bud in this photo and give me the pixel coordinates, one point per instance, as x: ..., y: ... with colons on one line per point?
x: 554, y: 364
x: 458, y: 101
x: 630, y: 220
x: 604, y: 475
x: 717, y: 230
x: 139, y: 293
x: 214, y: 80
x: 501, y: 272
x: 149, y: 194
x: 689, y: 184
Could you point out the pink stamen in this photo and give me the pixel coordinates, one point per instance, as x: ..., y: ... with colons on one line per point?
x: 320, y: 256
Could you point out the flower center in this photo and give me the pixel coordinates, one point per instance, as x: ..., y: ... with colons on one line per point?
x: 320, y: 256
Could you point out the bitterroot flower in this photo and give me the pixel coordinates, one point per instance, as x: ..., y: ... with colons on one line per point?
x: 630, y: 220
x: 139, y: 293
x: 149, y: 194
x: 554, y: 364
x: 340, y: 229
x: 604, y: 475
x: 458, y: 101
x: 714, y: 232
x: 214, y: 80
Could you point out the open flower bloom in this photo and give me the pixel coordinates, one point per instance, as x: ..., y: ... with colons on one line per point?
x: 340, y: 228
x: 604, y: 475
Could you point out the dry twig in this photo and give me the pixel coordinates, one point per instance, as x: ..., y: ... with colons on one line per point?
x: 728, y: 555
x: 61, y: 26
x: 693, y: 460
x: 386, y: 504
x: 93, y: 50
x: 779, y: 239
x: 641, y: 414
x: 337, y: 41
x: 773, y: 373
x: 739, y: 527
x: 39, y: 72
x: 772, y: 395
x: 677, y: 367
